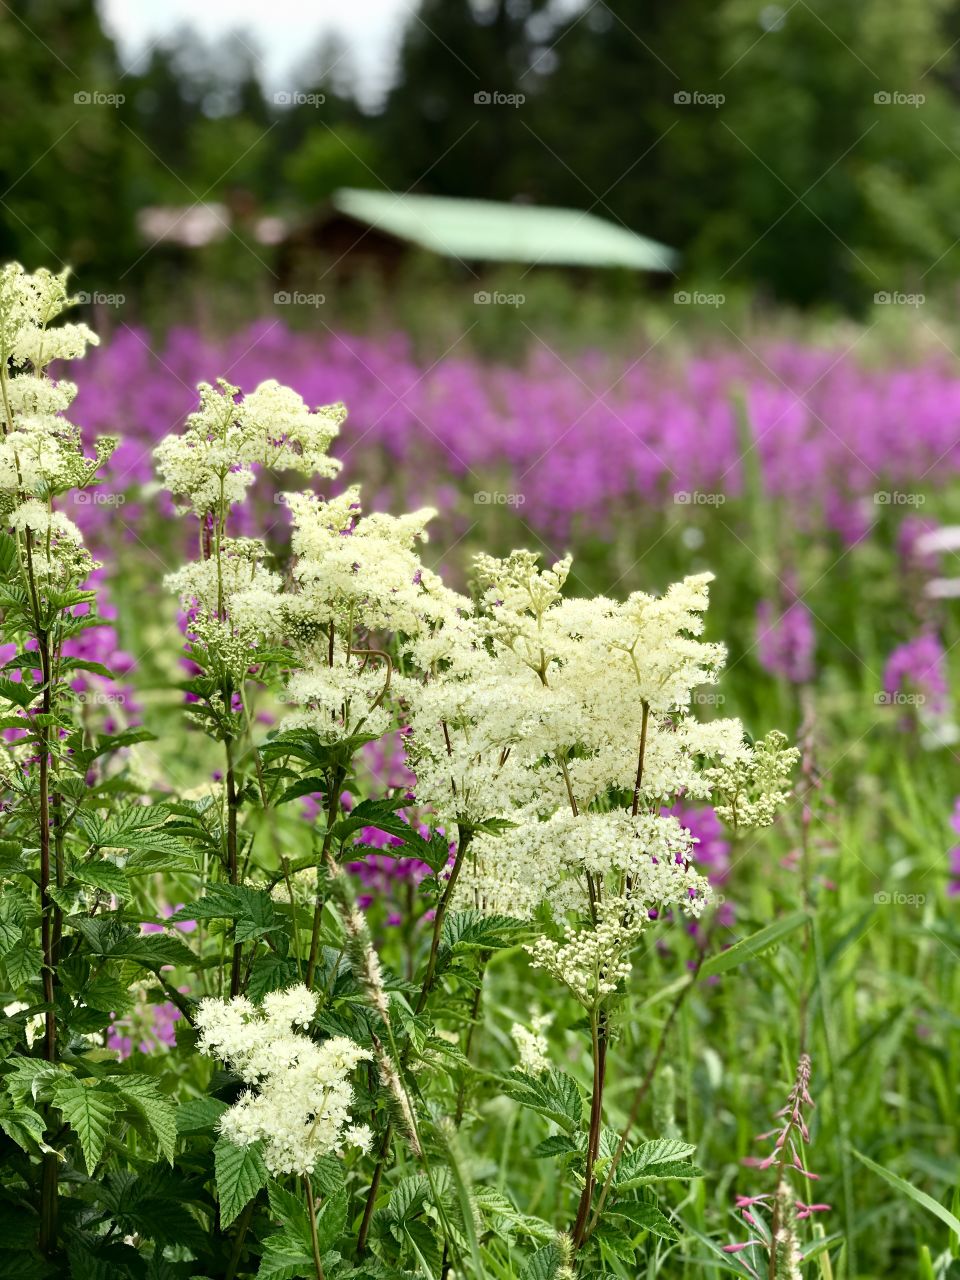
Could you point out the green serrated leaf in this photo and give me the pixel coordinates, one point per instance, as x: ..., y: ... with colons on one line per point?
x: 240, y: 1174
x: 102, y: 875
x: 655, y: 1160
x: 284, y: 1258
x: 270, y: 973
x: 90, y: 1110
x: 554, y: 1094
x: 142, y: 1094
x: 22, y: 964
x: 472, y: 929
x: 544, y: 1264
x: 646, y: 1217
x: 198, y: 1115
x: 558, y: 1144
x: 11, y: 929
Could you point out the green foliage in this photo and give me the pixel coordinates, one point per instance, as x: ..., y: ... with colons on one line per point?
x: 554, y: 1095
x: 240, y: 1174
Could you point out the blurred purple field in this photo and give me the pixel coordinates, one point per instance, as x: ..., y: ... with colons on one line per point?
x: 576, y: 442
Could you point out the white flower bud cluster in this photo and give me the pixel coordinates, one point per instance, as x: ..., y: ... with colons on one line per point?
x: 299, y: 1101
x: 754, y: 783
x: 593, y: 961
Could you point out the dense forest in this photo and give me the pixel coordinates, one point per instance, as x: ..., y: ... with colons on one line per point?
x: 809, y: 152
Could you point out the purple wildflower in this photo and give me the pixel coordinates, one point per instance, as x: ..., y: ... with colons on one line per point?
x: 786, y: 640
x: 917, y: 672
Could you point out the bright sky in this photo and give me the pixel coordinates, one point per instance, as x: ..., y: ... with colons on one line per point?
x: 283, y: 30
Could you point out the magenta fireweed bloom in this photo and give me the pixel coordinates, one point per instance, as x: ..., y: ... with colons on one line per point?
x: 786, y: 640
x: 712, y: 852
x: 185, y: 926
x: 582, y: 438
x: 916, y: 673
x: 148, y: 1028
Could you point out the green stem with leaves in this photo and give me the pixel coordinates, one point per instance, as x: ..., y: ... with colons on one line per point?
x: 598, y: 1037
x: 333, y: 807
x: 428, y: 981
x: 48, y: 928
x: 314, y: 1240
x: 429, y: 978
x: 232, y: 862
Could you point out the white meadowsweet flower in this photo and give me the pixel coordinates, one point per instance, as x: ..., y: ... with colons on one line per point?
x: 298, y: 1103
x: 362, y: 567
x: 532, y: 1047
x: 57, y: 556
x: 338, y: 701
x: 553, y: 730
x: 359, y: 1136
x: 41, y: 452
x: 39, y: 347
x: 29, y: 303
x: 232, y: 601
x: 210, y: 465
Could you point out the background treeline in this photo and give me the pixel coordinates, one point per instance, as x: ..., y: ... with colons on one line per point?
x: 799, y: 185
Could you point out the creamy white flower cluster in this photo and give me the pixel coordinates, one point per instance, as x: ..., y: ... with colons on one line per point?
x: 338, y: 701
x: 362, y: 571
x: 41, y: 452
x: 58, y: 556
x: 231, y: 600
x: 210, y: 465
x: 299, y: 1101
x: 569, y: 720
x: 532, y: 1047
x: 551, y: 730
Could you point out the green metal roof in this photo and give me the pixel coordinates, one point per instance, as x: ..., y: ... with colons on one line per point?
x: 490, y: 230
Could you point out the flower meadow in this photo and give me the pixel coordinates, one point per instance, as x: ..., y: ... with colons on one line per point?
x: 574, y: 442
x: 373, y: 913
